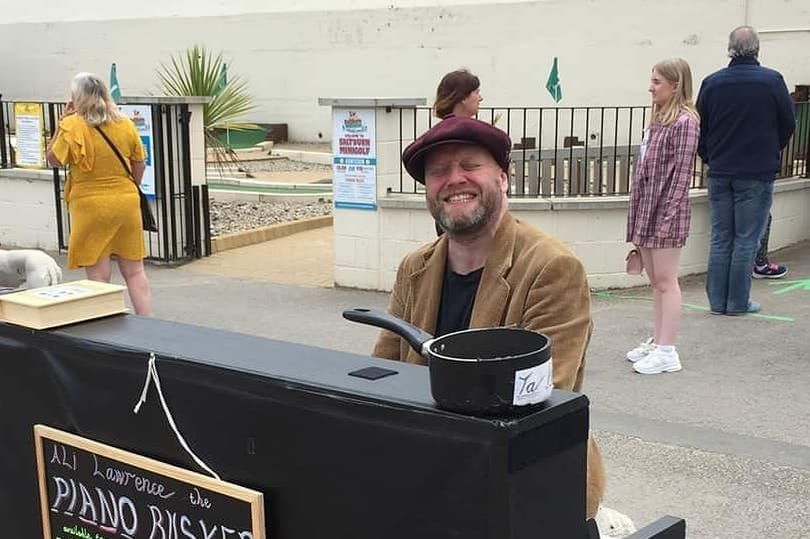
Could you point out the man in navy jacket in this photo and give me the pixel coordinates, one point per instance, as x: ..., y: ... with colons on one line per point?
x: 746, y: 118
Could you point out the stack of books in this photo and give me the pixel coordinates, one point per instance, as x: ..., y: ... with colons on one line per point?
x: 67, y: 303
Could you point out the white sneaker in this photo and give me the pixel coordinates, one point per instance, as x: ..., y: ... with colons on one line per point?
x: 641, y: 351
x: 657, y: 362
x: 613, y: 524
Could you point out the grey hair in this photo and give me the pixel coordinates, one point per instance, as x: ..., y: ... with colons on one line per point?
x: 743, y: 42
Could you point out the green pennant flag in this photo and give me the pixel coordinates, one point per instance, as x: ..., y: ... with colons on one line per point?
x: 115, y: 90
x: 553, y: 83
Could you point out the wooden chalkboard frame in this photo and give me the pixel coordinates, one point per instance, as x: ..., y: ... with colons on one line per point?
x: 252, y: 497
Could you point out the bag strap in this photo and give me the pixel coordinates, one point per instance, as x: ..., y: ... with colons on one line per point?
x: 117, y: 153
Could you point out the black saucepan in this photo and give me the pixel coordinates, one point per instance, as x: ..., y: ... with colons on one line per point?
x: 492, y: 371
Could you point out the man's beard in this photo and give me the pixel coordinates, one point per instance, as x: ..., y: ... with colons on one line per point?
x: 490, y: 205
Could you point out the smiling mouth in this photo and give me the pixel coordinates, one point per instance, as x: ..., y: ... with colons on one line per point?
x: 459, y: 197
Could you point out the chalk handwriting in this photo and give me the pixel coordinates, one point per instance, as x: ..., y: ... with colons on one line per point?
x: 125, y: 479
x: 170, y: 525
x: 104, y: 510
x: 61, y: 457
x: 198, y: 499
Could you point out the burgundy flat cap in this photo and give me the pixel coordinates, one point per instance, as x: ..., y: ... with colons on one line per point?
x: 456, y: 130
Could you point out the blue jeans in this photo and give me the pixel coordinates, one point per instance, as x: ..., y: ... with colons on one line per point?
x: 739, y: 212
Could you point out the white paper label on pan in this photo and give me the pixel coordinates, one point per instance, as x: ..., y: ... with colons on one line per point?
x: 533, y: 385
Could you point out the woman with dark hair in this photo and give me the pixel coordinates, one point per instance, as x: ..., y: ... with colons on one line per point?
x: 458, y: 94
x: 102, y: 191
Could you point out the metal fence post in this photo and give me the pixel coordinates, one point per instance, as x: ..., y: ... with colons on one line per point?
x: 192, y: 235
x: 57, y: 187
x: 3, y: 138
x: 805, y: 132
x: 206, y: 209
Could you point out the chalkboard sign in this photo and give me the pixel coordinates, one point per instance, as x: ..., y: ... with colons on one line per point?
x: 89, y: 490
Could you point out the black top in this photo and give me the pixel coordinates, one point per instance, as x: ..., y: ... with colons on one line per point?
x: 458, y: 297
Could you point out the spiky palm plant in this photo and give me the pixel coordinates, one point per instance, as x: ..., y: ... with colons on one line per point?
x: 198, y: 72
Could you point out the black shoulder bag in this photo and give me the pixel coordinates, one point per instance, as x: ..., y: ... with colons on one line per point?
x: 147, y: 219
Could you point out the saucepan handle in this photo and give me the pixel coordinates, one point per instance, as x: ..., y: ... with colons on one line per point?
x: 414, y: 336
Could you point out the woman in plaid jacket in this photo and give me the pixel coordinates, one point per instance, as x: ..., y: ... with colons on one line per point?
x: 658, y: 220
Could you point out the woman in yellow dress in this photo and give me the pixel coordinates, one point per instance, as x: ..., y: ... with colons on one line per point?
x: 101, y: 195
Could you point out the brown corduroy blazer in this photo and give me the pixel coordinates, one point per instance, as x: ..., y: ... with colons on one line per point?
x: 530, y: 280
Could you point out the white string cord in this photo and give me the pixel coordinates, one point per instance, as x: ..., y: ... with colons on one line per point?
x: 152, y: 375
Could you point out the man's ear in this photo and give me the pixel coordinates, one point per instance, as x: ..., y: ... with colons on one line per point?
x: 504, y: 179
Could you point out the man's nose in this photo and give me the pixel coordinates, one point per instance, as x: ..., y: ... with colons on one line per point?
x: 456, y: 175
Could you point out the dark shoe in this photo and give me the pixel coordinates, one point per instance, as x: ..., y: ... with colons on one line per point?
x: 769, y: 271
x: 753, y: 307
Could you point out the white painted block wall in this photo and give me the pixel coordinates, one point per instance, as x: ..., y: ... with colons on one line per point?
x: 594, y: 229
x: 28, y: 209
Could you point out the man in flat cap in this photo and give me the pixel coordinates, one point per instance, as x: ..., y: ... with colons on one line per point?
x: 488, y: 269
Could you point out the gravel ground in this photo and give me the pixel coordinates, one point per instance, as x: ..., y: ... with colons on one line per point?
x: 283, y: 165
x: 228, y: 217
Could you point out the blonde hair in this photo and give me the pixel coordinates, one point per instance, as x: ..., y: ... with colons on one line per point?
x: 92, y: 100
x: 676, y: 71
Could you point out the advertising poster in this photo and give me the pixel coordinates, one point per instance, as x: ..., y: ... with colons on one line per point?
x: 30, y: 135
x: 141, y: 115
x: 354, y: 160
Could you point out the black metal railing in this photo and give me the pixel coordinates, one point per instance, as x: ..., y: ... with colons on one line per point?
x: 4, y: 157
x: 180, y: 208
x: 579, y: 151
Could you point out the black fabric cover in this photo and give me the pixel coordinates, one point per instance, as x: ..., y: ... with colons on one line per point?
x: 335, y: 455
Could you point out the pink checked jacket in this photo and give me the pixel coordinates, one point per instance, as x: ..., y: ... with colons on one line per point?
x: 659, y: 195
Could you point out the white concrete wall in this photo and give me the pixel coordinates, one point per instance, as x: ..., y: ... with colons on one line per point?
x: 28, y: 209
x: 197, y: 145
x: 370, y: 245
x: 294, y: 52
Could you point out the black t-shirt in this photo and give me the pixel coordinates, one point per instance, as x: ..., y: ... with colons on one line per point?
x: 458, y: 297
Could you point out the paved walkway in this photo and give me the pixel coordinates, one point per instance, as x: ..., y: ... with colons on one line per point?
x: 304, y: 259
x: 725, y: 443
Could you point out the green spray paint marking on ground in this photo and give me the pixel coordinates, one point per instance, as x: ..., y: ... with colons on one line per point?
x: 691, y: 306
x: 609, y: 294
x: 753, y: 315
x: 789, y: 286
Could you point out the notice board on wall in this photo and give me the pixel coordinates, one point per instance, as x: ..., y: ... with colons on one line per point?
x: 354, y: 159
x: 30, y: 135
x: 141, y: 116
x: 90, y: 490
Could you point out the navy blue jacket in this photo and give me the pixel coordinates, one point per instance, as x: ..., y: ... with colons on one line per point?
x: 746, y: 118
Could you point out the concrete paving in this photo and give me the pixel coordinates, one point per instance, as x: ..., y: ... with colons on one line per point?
x: 725, y: 443
x: 302, y: 259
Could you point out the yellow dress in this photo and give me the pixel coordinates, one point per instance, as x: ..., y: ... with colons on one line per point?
x: 105, y: 212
